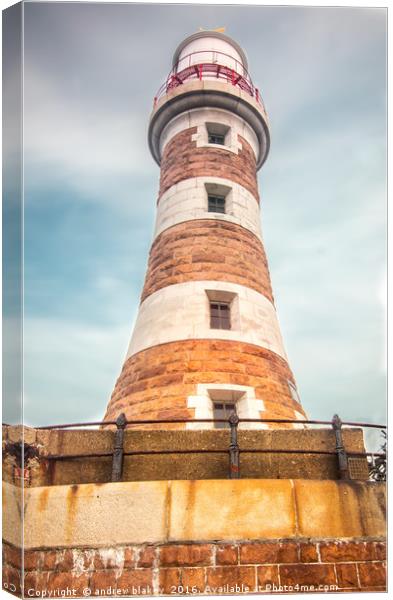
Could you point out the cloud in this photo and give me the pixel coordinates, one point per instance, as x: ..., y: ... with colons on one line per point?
x: 74, y: 380
x: 95, y: 150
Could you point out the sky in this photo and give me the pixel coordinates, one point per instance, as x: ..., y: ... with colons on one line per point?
x: 90, y: 76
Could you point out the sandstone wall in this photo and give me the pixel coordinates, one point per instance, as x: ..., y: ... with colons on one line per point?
x: 205, y: 568
x: 57, y: 451
x: 183, y: 160
x: 185, y: 537
x: 156, y: 383
x: 205, y: 250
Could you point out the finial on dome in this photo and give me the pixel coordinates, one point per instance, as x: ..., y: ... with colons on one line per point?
x: 217, y: 29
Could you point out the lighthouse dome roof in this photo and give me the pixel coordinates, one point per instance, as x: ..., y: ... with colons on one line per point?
x: 212, y: 35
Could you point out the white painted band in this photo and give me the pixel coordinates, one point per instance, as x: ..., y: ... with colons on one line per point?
x: 182, y: 312
x: 198, y: 117
x: 247, y: 405
x: 188, y: 200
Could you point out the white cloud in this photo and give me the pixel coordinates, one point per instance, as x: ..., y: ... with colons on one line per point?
x: 70, y: 369
x: 95, y: 150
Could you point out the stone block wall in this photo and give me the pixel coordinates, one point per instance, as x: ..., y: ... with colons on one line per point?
x: 196, y: 537
x: 68, y: 470
x: 183, y: 160
x: 156, y: 382
x: 207, y: 250
x: 304, y: 565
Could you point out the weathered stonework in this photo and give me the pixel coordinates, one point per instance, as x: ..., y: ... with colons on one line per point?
x: 282, y: 532
x: 65, y: 456
x: 202, y: 568
x: 234, y: 124
x: 161, y: 512
x: 182, y: 159
x: 207, y: 250
x: 156, y: 383
x: 188, y: 201
x: 181, y: 311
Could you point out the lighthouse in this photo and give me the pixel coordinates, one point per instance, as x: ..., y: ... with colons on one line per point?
x: 207, y: 340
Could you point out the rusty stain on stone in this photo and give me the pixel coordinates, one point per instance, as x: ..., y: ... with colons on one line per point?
x: 190, y: 507
x: 72, y: 500
x: 168, y: 511
x: 43, y: 499
x: 378, y: 505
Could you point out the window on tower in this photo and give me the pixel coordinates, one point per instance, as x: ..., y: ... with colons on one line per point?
x: 218, y: 198
x: 216, y: 203
x: 294, y: 392
x: 217, y: 133
x: 216, y: 138
x: 220, y: 315
x: 223, y: 410
x: 222, y: 310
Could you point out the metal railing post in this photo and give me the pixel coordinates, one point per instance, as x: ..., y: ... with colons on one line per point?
x: 118, y: 448
x: 234, y: 466
x: 341, y: 452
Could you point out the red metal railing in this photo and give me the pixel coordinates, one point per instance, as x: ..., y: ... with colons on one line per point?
x: 214, y: 69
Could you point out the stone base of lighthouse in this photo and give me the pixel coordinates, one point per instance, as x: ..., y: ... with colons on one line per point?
x: 175, y: 525
x: 178, y: 538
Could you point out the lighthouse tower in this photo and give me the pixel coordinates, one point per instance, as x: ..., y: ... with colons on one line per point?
x: 207, y: 339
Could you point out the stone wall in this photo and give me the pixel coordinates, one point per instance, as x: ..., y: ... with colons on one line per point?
x: 157, y: 382
x: 182, y: 312
x: 208, y: 250
x: 152, y: 537
x: 182, y: 159
x: 201, y: 568
x: 188, y: 200
x: 161, y: 512
x: 67, y: 444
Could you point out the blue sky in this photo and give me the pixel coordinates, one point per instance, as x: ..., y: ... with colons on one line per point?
x: 91, y: 72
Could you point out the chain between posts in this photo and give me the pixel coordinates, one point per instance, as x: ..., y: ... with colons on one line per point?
x: 118, y: 448
x: 341, y: 452
x: 234, y: 463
